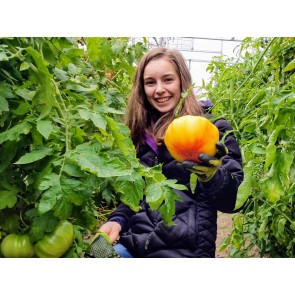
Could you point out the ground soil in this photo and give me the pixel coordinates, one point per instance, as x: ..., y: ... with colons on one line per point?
x: 224, y: 225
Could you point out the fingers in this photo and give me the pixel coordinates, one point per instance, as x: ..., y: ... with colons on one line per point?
x: 221, y: 149
x: 114, y: 236
x: 112, y: 229
x: 209, y: 161
x: 206, y: 159
x: 189, y: 164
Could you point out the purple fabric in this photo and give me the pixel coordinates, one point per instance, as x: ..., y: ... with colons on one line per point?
x: 151, y: 142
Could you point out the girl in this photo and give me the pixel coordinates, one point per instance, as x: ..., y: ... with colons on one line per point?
x: 162, y: 75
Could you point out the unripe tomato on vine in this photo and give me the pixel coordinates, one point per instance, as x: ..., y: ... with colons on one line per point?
x: 17, y: 246
x: 188, y: 136
x: 56, y: 243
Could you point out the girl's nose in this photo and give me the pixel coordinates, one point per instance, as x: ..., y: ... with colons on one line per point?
x: 160, y: 88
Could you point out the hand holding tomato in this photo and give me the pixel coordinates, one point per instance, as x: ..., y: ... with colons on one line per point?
x: 208, y: 165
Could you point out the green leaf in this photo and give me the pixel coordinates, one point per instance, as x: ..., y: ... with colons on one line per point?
x: 8, y: 151
x: 49, y: 199
x: 40, y: 61
x: 35, y: 155
x: 14, y: 132
x: 154, y: 194
x: 3, y: 56
x: 45, y: 127
x: 98, y: 120
x: 73, y: 170
x: 122, y: 138
x: 41, y: 225
x: 193, y: 182
x: 80, y: 88
x: 5, y: 91
x: 103, y: 109
x: 7, y: 199
x: 22, y: 109
x: 290, y: 66
x: 167, y: 209
x: 49, y: 179
x: 271, y: 148
x: 46, y: 90
x: 273, y: 189
x: 72, y: 69
x: 26, y: 94
x: 9, y: 222
x: 60, y: 74
x: 87, y: 220
x: 51, y: 186
x: 172, y: 183
x: 73, y: 190
x: 284, y: 163
x: 281, y: 226
x: 63, y: 209
x: 24, y: 66
x: 99, y: 164
x: 3, y: 105
x: 130, y: 189
x: 245, y: 187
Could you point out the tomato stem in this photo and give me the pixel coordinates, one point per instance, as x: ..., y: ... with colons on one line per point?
x: 184, y: 95
x: 21, y: 219
x: 253, y: 70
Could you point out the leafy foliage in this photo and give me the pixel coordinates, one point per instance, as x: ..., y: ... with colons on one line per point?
x: 257, y: 95
x: 64, y: 151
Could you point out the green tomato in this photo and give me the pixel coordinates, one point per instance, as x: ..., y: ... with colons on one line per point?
x: 17, y: 246
x: 56, y: 243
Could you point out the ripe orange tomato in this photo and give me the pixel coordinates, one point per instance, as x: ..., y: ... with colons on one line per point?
x: 188, y: 136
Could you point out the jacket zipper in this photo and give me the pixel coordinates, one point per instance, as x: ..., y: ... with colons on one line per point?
x: 156, y: 161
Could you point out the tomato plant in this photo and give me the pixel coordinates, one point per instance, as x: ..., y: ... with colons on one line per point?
x: 257, y: 96
x: 65, y: 153
x: 188, y: 136
x: 17, y: 246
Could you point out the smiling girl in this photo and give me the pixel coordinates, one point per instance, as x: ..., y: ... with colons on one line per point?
x: 161, y: 77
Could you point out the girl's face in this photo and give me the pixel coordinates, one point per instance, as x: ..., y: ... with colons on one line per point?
x: 162, y: 85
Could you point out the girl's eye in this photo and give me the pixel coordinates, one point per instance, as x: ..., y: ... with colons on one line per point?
x: 168, y: 80
x: 149, y: 82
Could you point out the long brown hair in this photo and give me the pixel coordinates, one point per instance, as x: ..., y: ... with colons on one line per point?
x: 141, y: 118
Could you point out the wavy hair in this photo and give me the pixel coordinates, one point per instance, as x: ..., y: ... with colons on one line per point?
x: 141, y: 118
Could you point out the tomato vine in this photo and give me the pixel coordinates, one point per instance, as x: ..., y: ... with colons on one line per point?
x: 65, y: 153
x: 257, y: 95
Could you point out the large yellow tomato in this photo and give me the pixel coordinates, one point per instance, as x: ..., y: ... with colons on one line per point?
x: 188, y: 136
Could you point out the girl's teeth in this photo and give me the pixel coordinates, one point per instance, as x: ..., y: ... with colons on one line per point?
x: 163, y: 99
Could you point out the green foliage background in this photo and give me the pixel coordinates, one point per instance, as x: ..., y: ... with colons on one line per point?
x: 64, y: 151
x: 257, y: 95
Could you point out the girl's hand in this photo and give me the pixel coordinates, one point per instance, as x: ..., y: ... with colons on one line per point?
x: 209, y: 166
x: 112, y: 229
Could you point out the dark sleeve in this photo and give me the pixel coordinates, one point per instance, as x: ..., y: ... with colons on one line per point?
x: 223, y: 187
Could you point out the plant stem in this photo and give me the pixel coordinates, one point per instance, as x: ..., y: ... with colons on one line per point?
x: 181, y: 101
x: 278, y: 210
x: 62, y: 110
x: 256, y: 65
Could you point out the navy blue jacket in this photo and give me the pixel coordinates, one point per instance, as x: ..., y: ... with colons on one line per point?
x: 194, y: 234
